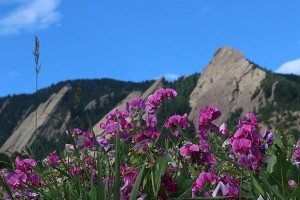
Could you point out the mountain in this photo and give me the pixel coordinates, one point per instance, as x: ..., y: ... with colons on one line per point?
x: 230, y: 82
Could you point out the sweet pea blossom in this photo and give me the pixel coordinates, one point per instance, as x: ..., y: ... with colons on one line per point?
x: 52, y: 159
x: 227, y: 186
x: 135, y: 106
x: 296, y: 154
x: 25, y: 164
x: 177, y: 120
x: 248, y: 146
x: 224, y: 129
x: 292, y: 184
x: 205, y: 178
x: 156, y: 99
x: 129, y: 174
x: 195, y: 153
x: 206, y: 116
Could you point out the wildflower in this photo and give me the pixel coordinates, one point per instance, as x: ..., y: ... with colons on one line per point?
x: 151, y: 120
x: 85, y: 140
x: 224, y: 129
x: 129, y: 174
x: 52, y: 159
x: 156, y: 99
x: 205, y: 178
x: 227, y: 186
x: 206, y: 116
x: 75, y: 170
x: 24, y: 164
x: 177, y: 120
x: 248, y: 146
x: 292, y: 184
x: 194, y: 153
x: 296, y: 154
x: 135, y: 106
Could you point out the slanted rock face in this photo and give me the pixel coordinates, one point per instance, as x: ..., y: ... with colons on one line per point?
x: 48, y: 128
x: 228, y: 82
x: 135, y: 94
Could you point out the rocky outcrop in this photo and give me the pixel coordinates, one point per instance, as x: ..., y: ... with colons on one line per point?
x: 135, y: 94
x: 229, y: 82
x: 49, y: 128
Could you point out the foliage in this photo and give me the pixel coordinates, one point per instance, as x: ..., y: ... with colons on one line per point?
x: 134, y: 160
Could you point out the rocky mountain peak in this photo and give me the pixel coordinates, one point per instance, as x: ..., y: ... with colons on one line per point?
x: 228, y: 82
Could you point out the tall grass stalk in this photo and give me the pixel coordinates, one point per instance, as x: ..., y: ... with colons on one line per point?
x: 36, y: 54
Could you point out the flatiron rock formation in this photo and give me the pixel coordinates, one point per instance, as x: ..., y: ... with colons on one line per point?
x: 25, y: 134
x: 228, y: 82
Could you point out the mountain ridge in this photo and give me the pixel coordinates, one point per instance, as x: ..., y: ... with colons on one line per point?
x: 230, y: 81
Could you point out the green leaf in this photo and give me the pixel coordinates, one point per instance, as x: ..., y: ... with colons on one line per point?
x: 100, y: 193
x: 117, y: 168
x: 159, y: 170
x: 136, y: 185
x: 271, y: 163
x: 272, y: 190
x: 256, y: 185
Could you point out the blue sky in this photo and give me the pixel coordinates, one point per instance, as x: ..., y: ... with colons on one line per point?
x: 140, y: 39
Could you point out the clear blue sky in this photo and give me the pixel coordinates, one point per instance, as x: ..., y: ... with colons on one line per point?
x: 140, y: 39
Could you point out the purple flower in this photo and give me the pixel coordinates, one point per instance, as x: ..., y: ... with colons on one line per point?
x: 227, y: 186
x: 17, y: 179
x: 194, y: 153
x: 102, y: 141
x: 292, y: 184
x: 85, y: 140
x: 177, y: 120
x: 248, y: 146
x: 135, y: 106
x: 157, y: 98
x: 75, y: 170
x: 24, y: 164
x: 206, y: 116
x: 224, y: 129
x: 53, y: 159
x: 296, y: 154
x: 151, y: 120
x: 129, y: 174
x: 205, y: 178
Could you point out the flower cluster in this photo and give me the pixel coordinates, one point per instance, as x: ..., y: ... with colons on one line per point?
x: 22, y: 179
x: 157, y: 98
x: 177, y: 120
x: 248, y: 146
x: 296, y: 154
x: 209, y: 184
x: 134, y: 137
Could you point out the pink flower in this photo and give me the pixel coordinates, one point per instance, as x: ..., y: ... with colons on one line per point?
x: 75, y: 170
x: 85, y: 140
x: 135, y: 106
x: 53, y: 159
x: 205, y: 178
x: 227, y: 186
x: 151, y: 120
x: 248, y: 146
x: 177, y: 120
x: 157, y: 98
x: 149, y: 133
x: 224, y: 129
x: 35, y: 179
x: 206, y: 116
x: 292, y: 184
x: 24, y: 164
x: 129, y: 174
x: 17, y: 179
x: 296, y: 154
x: 194, y: 153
